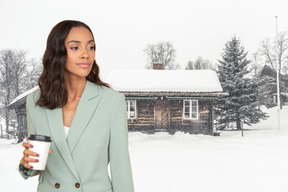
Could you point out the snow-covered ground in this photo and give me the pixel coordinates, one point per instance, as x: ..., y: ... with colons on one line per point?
x: 257, y: 162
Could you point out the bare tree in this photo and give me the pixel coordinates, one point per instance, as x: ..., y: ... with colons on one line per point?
x: 32, y: 74
x: 16, y: 72
x: 162, y: 52
x: 275, y: 53
x: 199, y: 63
x: 20, y: 64
x: 190, y: 65
x: 256, y: 64
x: 6, y: 70
x: 269, y: 51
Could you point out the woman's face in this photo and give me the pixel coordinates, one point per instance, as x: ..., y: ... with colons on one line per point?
x: 80, y: 48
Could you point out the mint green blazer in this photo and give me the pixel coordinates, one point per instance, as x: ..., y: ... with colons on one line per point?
x: 97, y: 137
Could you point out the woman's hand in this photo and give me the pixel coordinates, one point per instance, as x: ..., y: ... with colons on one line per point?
x: 26, y: 153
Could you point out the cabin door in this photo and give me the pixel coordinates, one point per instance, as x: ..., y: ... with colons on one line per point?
x: 161, y: 114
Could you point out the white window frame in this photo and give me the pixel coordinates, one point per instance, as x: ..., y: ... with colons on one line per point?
x: 190, y: 109
x: 128, y: 102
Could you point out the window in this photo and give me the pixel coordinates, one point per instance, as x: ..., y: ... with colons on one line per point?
x: 190, y: 109
x: 131, y: 108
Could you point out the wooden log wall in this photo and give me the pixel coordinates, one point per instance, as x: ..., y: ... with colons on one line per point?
x: 202, y: 125
x: 144, y: 117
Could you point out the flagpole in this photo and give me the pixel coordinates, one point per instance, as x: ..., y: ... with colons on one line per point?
x: 277, y: 69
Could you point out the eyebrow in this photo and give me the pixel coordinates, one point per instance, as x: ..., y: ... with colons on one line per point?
x: 74, y: 41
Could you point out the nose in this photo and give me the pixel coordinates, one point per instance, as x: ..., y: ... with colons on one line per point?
x: 84, y: 54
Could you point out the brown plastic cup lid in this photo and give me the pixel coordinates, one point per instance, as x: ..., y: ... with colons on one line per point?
x: 40, y: 138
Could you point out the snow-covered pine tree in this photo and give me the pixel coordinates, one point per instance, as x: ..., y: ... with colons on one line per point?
x: 242, y: 104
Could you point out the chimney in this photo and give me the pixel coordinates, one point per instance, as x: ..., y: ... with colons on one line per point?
x: 158, y: 66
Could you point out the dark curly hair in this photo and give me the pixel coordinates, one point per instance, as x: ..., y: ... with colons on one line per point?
x: 53, y: 92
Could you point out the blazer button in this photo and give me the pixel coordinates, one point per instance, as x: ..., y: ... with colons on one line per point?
x: 57, y: 185
x: 77, y: 185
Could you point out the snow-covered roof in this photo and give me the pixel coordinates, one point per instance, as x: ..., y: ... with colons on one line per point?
x: 194, y: 81
x: 23, y: 95
x: 191, y: 81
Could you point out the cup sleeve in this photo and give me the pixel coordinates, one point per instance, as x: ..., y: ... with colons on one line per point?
x: 26, y: 173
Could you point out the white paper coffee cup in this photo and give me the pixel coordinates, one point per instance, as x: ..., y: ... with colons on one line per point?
x: 41, y: 145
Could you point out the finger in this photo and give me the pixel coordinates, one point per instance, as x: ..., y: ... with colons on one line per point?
x: 27, y: 145
x: 27, y: 152
x: 27, y: 166
x: 28, y: 159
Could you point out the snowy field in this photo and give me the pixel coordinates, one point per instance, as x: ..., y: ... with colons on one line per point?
x: 257, y: 162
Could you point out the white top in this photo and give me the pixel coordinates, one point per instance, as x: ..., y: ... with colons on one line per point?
x: 66, y: 131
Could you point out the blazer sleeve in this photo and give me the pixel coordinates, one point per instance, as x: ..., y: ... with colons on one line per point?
x: 120, y: 168
x: 30, y: 105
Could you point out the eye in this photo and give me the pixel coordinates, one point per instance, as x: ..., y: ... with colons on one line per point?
x: 91, y: 47
x: 74, y: 48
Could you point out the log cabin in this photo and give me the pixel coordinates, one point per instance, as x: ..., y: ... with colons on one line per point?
x: 168, y: 100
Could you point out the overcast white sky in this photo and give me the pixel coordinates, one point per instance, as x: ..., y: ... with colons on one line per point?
x: 123, y: 29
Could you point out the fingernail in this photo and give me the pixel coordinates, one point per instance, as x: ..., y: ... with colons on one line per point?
x: 31, y: 146
x: 37, y: 160
x: 31, y: 167
x: 37, y: 154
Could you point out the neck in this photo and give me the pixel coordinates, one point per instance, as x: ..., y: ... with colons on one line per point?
x: 75, y: 87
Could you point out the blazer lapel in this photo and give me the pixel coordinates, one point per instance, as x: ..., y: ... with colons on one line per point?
x: 57, y: 132
x: 85, y: 109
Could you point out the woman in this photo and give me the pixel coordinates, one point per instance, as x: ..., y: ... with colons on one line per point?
x: 84, y: 117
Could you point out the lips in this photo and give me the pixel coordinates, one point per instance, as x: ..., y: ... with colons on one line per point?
x: 84, y: 65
